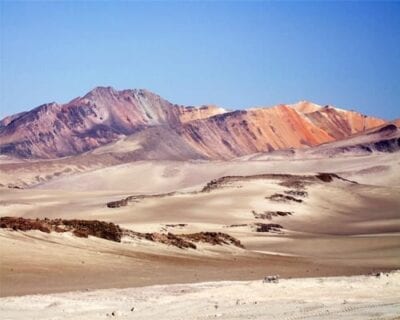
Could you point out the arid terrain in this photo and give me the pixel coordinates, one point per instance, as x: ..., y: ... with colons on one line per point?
x: 326, y: 227
x: 157, y: 201
x: 355, y: 298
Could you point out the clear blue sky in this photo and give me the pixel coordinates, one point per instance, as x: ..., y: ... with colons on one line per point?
x: 234, y: 54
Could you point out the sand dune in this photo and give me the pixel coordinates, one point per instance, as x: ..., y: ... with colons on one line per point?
x: 166, y: 176
x: 334, y: 228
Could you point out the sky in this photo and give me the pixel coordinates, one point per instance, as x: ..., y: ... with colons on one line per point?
x: 233, y: 54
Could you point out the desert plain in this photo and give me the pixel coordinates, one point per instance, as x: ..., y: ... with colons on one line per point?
x: 294, y: 218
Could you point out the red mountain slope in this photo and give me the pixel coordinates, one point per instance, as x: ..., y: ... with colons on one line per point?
x: 160, y: 129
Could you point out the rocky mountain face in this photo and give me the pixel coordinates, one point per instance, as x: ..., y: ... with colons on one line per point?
x: 342, y: 123
x: 85, y: 123
x: 244, y: 132
x: 381, y: 139
x: 385, y: 138
x: 115, y: 121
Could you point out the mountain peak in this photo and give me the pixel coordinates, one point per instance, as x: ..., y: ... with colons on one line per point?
x: 110, y: 92
x: 304, y: 106
x: 100, y: 91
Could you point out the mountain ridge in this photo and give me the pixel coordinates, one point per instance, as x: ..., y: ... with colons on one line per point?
x: 105, y: 115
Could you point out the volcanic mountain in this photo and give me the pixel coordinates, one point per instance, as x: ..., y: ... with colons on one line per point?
x: 147, y: 126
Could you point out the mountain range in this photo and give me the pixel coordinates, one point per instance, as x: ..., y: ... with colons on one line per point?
x: 145, y: 126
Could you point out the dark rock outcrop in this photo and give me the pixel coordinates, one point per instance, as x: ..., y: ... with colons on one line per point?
x: 214, y: 238
x: 283, y: 198
x: 297, y: 193
x: 268, y: 227
x: 80, y: 228
x: 118, y: 203
x: 113, y: 232
x: 268, y: 215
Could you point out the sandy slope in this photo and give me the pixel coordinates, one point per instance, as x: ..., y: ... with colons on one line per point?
x: 313, y: 298
x: 35, y: 262
x: 166, y: 176
x: 340, y: 228
x: 105, y: 172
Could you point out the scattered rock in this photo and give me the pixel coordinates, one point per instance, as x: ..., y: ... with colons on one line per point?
x: 286, y: 180
x: 137, y: 198
x: 328, y: 177
x: 269, y: 214
x: 297, y: 193
x: 99, y: 229
x: 267, y: 227
x: 14, y: 187
x: 113, y: 232
x: 186, y: 241
x: 80, y: 228
x: 271, y: 279
x: 325, y: 177
x: 295, y: 183
x: 379, y: 274
x: 176, y: 225
x: 237, y: 225
x: 283, y: 198
x: 118, y: 203
x: 214, y: 238
x: 170, y: 239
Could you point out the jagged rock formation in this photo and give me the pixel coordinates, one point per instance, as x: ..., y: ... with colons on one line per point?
x: 142, y: 125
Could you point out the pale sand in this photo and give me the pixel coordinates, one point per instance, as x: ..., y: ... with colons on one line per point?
x: 339, y: 229
x: 69, y: 174
x: 355, y: 298
x: 35, y: 262
x: 166, y: 176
